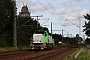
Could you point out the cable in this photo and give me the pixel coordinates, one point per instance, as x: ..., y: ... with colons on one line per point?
x: 56, y: 11
x: 62, y: 16
x: 72, y: 23
x: 47, y: 10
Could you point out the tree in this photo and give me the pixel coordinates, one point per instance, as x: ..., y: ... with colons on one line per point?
x: 57, y: 38
x: 25, y: 28
x: 6, y: 22
x: 87, y: 25
x: 87, y: 40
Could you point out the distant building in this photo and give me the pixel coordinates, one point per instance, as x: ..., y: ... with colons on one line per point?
x: 24, y: 12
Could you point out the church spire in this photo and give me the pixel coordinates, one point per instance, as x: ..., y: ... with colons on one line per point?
x: 24, y: 11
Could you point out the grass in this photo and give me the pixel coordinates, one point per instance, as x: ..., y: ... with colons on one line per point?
x: 84, y: 55
x: 12, y: 48
x: 8, y: 49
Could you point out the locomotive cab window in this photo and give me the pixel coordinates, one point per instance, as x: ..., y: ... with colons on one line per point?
x: 45, y: 34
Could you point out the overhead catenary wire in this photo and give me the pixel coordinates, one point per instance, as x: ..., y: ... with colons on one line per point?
x: 72, y: 23
x: 60, y: 15
x: 53, y: 14
x: 47, y: 10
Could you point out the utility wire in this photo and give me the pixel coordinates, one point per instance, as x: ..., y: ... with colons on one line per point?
x: 60, y: 15
x: 51, y: 13
x: 47, y: 9
x: 72, y: 23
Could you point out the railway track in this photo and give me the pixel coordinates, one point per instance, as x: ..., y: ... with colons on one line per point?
x: 7, y: 55
x: 34, y: 55
x: 49, y: 55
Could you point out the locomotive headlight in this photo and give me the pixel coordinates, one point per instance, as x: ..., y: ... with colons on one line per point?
x: 32, y: 46
x: 44, y: 45
x: 42, y: 48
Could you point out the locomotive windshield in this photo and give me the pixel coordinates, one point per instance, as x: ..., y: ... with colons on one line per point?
x: 39, y: 32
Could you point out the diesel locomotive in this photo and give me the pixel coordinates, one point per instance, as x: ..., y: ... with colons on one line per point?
x: 41, y: 40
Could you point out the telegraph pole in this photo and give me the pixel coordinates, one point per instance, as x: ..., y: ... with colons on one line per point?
x: 37, y: 19
x: 62, y: 34
x: 15, y: 31
x: 51, y: 28
x: 79, y: 26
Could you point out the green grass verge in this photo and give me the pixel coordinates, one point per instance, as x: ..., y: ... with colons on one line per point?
x: 84, y: 55
x: 12, y: 48
x: 8, y: 49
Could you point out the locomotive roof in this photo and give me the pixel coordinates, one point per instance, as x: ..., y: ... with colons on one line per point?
x: 40, y: 31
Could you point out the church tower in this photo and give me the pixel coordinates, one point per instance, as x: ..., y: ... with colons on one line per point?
x: 24, y: 12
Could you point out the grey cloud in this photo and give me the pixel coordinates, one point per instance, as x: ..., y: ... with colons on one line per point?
x: 80, y: 1
x: 65, y: 4
x: 67, y: 10
x: 77, y: 0
x: 37, y: 8
x: 33, y: 6
x: 63, y: 11
x: 29, y: 3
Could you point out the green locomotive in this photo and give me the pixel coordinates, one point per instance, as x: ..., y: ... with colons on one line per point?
x: 41, y: 40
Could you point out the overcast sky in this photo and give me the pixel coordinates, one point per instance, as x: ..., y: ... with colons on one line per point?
x: 64, y: 14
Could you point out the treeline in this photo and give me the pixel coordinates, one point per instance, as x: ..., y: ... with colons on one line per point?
x: 6, y: 22
x: 87, y: 40
x: 57, y: 38
x: 25, y: 27
x: 66, y: 40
